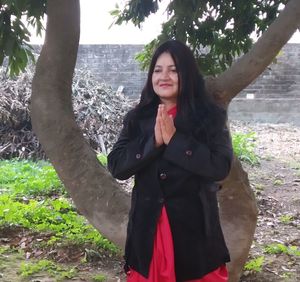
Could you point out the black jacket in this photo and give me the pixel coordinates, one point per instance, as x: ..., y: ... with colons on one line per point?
x: 182, y: 176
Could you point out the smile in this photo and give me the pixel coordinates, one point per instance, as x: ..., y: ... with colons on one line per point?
x: 165, y: 85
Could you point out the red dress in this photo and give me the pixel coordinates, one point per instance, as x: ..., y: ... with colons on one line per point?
x: 162, y: 264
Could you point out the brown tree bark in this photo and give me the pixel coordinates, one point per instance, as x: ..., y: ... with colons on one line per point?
x: 95, y: 193
x: 238, y: 211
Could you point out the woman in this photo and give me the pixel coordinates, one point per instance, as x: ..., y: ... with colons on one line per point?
x: 176, y: 144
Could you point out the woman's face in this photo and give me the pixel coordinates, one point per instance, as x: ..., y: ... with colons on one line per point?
x: 165, y: 79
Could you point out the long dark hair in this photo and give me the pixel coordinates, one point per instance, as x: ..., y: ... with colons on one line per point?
x: 194, y: 105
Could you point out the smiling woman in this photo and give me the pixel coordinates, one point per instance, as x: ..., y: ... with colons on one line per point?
x: 176, y: 144
x: 165, y: 80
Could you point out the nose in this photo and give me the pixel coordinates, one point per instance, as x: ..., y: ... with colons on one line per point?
x: 165, y: 75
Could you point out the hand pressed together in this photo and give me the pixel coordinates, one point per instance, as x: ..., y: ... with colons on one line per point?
x: 164, y: 127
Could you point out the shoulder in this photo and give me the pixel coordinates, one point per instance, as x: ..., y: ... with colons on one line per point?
x: 134, y: 123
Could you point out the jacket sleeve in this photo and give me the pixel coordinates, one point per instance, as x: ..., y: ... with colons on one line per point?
x: 129, y: 155
x: 211, y: 161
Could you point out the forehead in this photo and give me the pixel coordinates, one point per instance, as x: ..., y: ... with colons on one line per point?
x: 165, y: 59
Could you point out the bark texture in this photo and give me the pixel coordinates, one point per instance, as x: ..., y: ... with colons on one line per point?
x: 238, y: 214
x: 95, y: 193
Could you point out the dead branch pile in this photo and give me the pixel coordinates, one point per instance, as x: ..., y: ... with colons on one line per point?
x: 99, y: 112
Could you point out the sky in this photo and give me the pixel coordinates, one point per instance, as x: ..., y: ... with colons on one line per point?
x: 95, y: 22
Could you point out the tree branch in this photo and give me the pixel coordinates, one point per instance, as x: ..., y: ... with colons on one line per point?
x: 252, y: 64
x: 95, y: 193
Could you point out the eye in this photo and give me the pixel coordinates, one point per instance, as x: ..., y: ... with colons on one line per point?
x: 157, y: 70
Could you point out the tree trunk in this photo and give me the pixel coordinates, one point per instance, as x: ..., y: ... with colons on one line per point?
x: 95, y: 193
x: 238, y: 214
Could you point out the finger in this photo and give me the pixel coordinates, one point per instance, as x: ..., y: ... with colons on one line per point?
x: 160, y: 110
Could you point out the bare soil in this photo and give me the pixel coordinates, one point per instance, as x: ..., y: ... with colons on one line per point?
x: 276, y: 183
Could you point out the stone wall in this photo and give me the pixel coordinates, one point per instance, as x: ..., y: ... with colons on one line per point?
x: 115, y: 65
x: 281, y: 79
x: 273, y: 97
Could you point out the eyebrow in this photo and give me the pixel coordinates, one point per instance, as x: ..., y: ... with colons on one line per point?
x: 160, y: 66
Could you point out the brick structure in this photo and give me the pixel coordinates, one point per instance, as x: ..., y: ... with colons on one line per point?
x: 273, y: 97
x: 115, y: 65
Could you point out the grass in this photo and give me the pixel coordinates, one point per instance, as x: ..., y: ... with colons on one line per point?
x: 3, y: 249
x: 278, y: 248
x: 99, y: 278
x: 102, y: 159
x: 33, y: 197
x: 255, y: 264
x: 286, y: 218
x: 29, y: 178
x: 243, y: 147
x: 51, y: 268
x: 26, y: 201
x: 278, y: 182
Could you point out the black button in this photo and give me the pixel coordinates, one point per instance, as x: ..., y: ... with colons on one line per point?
x: 161, y: 200
x: 138, y: 156
x: 163, y: 176
x: 188, y: 152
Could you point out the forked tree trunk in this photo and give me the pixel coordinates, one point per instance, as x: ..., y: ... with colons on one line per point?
x: 95, y: 193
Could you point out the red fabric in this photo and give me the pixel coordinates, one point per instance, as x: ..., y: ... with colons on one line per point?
x: 162, y: 264
x: 172, y: 112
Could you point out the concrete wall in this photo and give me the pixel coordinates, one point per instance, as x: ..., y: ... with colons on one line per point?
x: 114, y: 65
x: 275, y: 95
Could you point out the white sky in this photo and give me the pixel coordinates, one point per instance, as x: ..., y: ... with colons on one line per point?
x: 95, y: 22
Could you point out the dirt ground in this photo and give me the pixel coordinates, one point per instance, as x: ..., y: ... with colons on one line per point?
x: 276, y: 182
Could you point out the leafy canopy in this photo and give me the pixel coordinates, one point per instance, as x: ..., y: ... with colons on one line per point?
x: 217, y: 30
x: 15, y: 18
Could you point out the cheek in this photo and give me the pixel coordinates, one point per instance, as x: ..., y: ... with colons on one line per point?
x: 154, y: 80
x: 175, y: 77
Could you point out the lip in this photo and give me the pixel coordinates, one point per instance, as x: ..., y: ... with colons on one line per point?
x: 165, y: 85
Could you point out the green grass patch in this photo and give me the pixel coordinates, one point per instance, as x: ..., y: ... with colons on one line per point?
x: 3, y: 249
x: 33, y: 197
x: 278, y: 248
x: 28, y: 178
x: 99, y: 278
x: 286, y: 218
x: 255, y: 264
x: 102, y: 159
x: 278, y: 182
x: 55, y: 215
x: 52, y: 269
x: 243, y: 147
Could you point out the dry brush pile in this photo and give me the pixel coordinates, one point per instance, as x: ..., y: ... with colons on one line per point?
x: 98, y: 109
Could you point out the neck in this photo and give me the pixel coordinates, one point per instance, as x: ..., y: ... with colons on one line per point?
x: 168, y: 104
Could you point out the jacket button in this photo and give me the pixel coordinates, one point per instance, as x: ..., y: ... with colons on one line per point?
x: 161, y: 200
x: 138, y: 156
x: 163, y: 176
x: 188, y: 152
